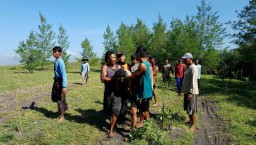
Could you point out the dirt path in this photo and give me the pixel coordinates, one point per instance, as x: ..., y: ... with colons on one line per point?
x: 211, y: 128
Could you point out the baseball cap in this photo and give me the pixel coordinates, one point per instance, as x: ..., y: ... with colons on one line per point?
x: 187, y: 55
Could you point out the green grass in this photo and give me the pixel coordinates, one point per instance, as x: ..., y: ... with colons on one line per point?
x: 85, y: 117
x: 237, y: 106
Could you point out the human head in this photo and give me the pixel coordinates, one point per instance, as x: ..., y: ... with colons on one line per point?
x: 133, y: 59
x: 141, y: 52
x: 166, y: 61
x: 152, y: 60
x: 56, y: 50
x: 110, y: 57
x: 196, y: 61
x: 187, y: 57
x: 85, y: 60
x: 120, y: 56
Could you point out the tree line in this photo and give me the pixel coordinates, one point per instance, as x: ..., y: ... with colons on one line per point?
x: 201, y: 34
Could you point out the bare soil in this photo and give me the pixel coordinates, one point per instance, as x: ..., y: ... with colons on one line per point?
x: 211, y: 127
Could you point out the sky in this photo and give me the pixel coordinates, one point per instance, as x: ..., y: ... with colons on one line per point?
x: 89, y: 19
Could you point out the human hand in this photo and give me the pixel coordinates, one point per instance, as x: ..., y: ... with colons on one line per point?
x: 64, y: 90
x: 189, y: 96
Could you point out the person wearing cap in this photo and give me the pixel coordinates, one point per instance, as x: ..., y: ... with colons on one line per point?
x: 179, y: 74
x: 59, y: 89
x: 126, y: 95
x: 85, y: 68
x: 144, y: 88
x: 190, y: 90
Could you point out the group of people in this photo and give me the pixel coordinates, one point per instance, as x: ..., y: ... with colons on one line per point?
x: 134, y: 83
x: 138, y: 86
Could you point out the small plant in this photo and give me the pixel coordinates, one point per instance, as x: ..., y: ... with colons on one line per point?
x: 149, y: 132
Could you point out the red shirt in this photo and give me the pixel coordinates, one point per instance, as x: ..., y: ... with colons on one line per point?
x: 179, y: 70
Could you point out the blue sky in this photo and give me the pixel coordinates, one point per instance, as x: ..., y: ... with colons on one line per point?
x: 89, y: 19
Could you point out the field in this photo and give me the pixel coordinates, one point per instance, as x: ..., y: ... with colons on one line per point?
x: 29, y: 117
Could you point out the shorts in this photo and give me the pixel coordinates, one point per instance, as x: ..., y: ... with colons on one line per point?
x: 112, y: 104
x: 190, y: 105
x: 62, y: 104
x: 144, y: 105
x: 135, y: 102
x: 85, y: 76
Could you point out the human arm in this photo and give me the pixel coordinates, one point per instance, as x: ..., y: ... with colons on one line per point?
x: 103, y: 75
x: 141, y: 69
x: 64, y: 77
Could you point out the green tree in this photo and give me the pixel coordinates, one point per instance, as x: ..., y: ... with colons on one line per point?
x: 246, y: 38
x: 125, y: 40
x: 211, y: 60
x: 157, y: 41
x: 45, y: 38
x: 210, y: 30
x: 141, y: 34
x: 109, y: 43
x: 182, y: 38
x: 87, y: 49
x: 28, y: 52
x: 63, y: 42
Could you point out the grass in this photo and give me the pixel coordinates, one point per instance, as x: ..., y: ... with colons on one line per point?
x: 237, y: 106
x: 85, y: 117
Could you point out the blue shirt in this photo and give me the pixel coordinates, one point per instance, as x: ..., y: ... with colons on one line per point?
x: 60, y: 71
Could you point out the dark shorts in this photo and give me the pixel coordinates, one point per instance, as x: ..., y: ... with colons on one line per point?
x: 62, y: 104
x: 144, y: 105
x: 111, y: 104
x: 190, y: 105
x: 135, y: 102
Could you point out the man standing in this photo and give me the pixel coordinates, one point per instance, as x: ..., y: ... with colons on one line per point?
x: 166, y: 72
x: 85, y: 68
x: 60, y: 83
x: 111, y: 102
x: 199, y: 67
x: 179, y: 74
x: 155, y: 69
x: 190, y: 90
x: 145, y: 85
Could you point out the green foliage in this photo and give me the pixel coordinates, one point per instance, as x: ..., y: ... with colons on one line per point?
x: 211, y: 61
x: 141, y: 34
x: 125, y: 40
x: 149, y: 132
x: 45, y: 38
x: 246, y: 38
x: 28, y: 52
x: 157, y: 46
x: 87, y: 49
x: 209, y: 30
x: 63, y: 42
x: 110, y: 42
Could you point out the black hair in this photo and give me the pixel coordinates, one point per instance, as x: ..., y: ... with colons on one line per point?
x: 57, y: 48
x: 108, y: 53
x: 133, y: 57
x: 151, y: 57
x: 141, y: 51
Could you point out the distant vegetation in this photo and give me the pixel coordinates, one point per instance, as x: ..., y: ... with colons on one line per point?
x: 201, y: 34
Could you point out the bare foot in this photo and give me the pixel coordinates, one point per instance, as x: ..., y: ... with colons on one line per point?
x: 155, y: 104
x: 61, y: 120
x: 139, y: 125
x: 179, y: 94
x: 192, y: 129
x: 111, y: 135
